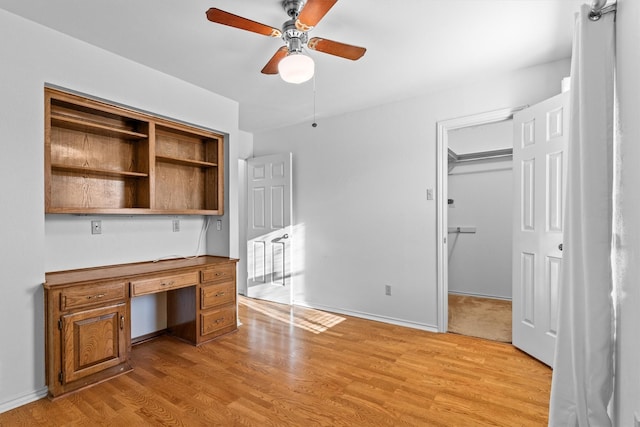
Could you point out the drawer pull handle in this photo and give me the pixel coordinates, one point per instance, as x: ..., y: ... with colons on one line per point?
x: 167, y: 284
x: 121, y: 322
x: 220, y: 320
x: 95, y: 296
x: 220, y: 294
x: 218, y: 274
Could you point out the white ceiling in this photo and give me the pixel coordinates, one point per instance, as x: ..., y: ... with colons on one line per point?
x: 413, y: 46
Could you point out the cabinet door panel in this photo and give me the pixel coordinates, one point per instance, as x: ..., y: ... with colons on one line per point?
x: 93, y: 340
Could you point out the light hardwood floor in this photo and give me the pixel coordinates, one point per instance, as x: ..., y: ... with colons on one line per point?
x: 300, y: 367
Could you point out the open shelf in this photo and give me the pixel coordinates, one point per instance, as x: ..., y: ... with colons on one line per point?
x: 188, y: 169
x: 186, y: 162
x: 72, y: 192
x: 100, y: 172
x: 88, y: 126
x: 102, y: 158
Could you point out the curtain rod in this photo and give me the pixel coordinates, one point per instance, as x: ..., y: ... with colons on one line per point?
x: 599, y: 8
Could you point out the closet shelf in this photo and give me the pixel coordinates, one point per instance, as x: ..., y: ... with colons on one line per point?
x: 462, y: 230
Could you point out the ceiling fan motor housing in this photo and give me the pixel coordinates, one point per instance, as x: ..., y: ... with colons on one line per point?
x: 294, y: 38
x: 293, y: 7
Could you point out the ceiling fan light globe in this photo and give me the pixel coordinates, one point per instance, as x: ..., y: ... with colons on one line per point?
x: 296, y: 68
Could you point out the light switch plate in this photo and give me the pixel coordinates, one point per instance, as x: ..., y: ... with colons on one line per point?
x: 429, y: 193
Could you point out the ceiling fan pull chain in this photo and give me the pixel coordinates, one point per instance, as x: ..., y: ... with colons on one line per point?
x: 314, y: 124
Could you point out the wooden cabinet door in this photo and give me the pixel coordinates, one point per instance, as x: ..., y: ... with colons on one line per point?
x: 92, y: 341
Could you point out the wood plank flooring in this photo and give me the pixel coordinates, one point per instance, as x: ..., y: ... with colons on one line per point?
x: 300, y: 367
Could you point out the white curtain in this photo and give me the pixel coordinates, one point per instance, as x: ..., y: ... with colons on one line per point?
x: 583, y: 365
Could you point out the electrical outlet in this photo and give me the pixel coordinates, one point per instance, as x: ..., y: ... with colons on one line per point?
x: 96, y: 227
x: 176, y: 225
x: 387, y: 289
x: 219, y: 225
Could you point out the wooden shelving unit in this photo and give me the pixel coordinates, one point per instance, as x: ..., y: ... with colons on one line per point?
x: 102, y: 158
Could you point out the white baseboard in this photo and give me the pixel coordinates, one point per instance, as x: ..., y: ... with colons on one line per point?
x: 472, y: 294
x: 23, y: 400
x: 369, y: 316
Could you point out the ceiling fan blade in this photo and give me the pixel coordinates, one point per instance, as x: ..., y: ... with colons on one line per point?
x: 312, y: 13
x: 225, y: 18
x: 272, y: 65
x: 336, y: 48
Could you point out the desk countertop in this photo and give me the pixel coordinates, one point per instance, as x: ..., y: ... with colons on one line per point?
x: 108, y: 272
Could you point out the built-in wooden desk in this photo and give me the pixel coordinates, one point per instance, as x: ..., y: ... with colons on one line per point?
x: 88, y: 322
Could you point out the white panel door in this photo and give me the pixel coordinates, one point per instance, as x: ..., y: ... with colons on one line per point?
x: 269, y: 227
x: 539, y: 166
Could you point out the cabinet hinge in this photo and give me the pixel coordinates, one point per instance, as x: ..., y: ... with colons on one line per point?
x: 61, y: 377
x: 60, y: 324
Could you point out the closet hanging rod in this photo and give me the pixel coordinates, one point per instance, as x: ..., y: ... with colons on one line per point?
x: 484, y: 155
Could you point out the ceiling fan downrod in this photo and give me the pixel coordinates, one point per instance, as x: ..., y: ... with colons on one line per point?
x: 293, y: 7
x: 292, y: 36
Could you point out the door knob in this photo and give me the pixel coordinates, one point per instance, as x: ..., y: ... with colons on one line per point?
x: 278, y: 239
x: 560, y: 246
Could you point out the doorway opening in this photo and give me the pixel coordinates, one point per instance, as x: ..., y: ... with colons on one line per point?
x: 480, y: 202
x: 482, y: 166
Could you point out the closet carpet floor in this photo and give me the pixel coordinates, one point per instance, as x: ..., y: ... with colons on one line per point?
x: 480, y: 317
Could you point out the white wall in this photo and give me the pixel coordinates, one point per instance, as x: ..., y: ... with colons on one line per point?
x: 33, y: 55
x: 245, y: 152
x: 70, y: 244
x: 480, y: 263
x: 627, y: 383
x: 360, y: 184
x: 487, y: 137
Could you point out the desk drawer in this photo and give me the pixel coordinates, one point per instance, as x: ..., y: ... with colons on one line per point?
x: 215, y: 320
x: 164, y: 283
x: 94, y: 294
x: 215, y: 295
x: 221, y: 273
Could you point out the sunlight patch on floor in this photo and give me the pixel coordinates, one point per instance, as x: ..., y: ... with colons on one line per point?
x: 311, y: 320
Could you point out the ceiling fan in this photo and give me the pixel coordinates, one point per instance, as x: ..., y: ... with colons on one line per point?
x: 289, y: 61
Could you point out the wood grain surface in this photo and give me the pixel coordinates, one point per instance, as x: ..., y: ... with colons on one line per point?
x: 292, y: 366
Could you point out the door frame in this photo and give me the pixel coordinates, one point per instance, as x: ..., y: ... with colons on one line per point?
x: 443, y: 127
x: 288, y: 230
